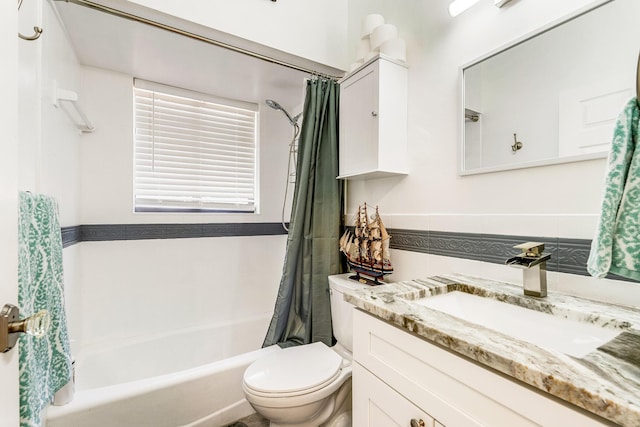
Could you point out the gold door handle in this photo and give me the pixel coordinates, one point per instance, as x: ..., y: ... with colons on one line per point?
x: 417, y: 423
x: 11, y: 327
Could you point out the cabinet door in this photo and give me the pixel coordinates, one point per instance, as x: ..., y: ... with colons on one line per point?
x: 359, y: 122
x: 375, y: 404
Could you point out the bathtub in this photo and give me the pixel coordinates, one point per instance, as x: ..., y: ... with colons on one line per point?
x: 189, y: 378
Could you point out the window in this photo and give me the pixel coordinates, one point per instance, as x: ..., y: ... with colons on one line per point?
x: 193, y: 152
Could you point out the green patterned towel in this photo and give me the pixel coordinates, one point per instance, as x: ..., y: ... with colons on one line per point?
x: 616, y: 247
x: 45, y: 363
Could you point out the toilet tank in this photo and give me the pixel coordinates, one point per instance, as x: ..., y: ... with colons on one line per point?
x: 342, y: 311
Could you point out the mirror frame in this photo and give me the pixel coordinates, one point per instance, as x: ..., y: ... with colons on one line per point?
x: 513, y: 43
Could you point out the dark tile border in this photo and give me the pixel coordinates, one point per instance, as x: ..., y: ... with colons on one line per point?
x: 111, y: 232
x: 495, y: 248
x: 567, y: 255
x: 70, y: 235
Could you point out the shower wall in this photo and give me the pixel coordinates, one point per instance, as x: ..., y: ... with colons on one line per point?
x: 148, y: 288
x: 48, y: 142
x: 49, y: 147
x: 128, y: 288
x: 167, y: 284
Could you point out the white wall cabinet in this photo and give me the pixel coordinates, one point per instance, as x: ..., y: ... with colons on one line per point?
x: 414, y: 378
x: 373, y: 120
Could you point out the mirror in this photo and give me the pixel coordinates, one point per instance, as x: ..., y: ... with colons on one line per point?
x: 551, y: 97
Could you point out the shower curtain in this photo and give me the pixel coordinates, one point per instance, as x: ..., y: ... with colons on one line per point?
x: 302, y: 312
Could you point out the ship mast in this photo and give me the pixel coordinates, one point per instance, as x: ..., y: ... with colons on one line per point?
x: 367, y: 248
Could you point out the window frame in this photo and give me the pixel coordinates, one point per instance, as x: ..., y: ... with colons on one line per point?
x: 197, y: 97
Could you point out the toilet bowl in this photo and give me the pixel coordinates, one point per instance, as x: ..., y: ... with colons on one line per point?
x: 308, y: 385
x: 303, y: 386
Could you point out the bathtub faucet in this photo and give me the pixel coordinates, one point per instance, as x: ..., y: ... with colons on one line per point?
x: 533, y: 262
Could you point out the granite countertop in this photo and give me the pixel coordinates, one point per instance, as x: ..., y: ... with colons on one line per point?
x: 605, y: 382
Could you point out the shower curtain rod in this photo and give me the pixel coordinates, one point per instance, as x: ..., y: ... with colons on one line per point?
x: 130, y: 16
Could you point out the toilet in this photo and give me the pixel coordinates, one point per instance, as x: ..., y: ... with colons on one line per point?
x: 308, y: 385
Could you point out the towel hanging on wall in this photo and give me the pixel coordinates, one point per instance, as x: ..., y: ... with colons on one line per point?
x: 45, y: 363
x: 616, y: 246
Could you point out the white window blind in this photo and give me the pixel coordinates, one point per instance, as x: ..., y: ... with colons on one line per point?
x: 193, y: 152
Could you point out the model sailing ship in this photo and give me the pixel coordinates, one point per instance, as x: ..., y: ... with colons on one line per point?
x: 367, y: 248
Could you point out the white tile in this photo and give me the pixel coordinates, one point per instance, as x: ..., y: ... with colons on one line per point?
x: 606, y: 290
x: 152, y: 277
x: 512, y: 224
x: 412, y: 265
x: 409, y: 265
x: 577, y: 226
x: 408, y: 222
x: 458, y: 223
x: 522, y: 225
x: 574, y: 226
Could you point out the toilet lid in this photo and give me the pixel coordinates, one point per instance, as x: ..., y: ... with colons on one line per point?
x: 293, y: 369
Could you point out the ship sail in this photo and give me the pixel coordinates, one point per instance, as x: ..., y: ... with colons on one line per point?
x: 367, y: 246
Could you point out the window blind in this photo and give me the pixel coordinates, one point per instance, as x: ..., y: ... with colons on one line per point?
x: 193, y: 152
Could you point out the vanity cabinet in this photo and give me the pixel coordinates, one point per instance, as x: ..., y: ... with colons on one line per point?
x: 373, y: 120
x: 404, y: 376
x: 375, y: 404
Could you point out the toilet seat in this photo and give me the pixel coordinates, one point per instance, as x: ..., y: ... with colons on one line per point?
x: 293, y: 371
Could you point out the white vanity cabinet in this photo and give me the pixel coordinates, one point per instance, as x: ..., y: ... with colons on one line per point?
x: 400, y: 376
x: 373, y: 120
x: 375, y: 404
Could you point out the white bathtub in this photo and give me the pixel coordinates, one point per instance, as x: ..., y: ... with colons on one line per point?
x: 192, y: 378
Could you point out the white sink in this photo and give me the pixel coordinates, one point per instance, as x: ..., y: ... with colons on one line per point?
x: 544, y: 330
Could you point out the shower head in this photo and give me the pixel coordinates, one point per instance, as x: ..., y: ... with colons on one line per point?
x: 273, y: 104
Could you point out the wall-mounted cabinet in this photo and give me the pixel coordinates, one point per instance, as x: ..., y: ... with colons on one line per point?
x: 373, y: 120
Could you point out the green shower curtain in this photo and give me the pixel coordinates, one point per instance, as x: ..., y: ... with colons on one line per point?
x: 302, y: 312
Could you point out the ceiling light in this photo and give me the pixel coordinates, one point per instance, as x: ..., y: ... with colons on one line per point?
x: 458, y: 6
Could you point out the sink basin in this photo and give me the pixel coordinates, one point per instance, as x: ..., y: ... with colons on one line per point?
x: 544, y: 330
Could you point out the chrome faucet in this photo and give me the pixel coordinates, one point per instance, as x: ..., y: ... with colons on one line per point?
x: 533, y: 262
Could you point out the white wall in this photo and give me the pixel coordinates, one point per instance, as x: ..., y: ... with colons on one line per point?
x: 564, y: 200
x: 522, y: 86
x: 149, y: 288
x: 437, y: 49
x: 49, y: 143
x: 300, y: 27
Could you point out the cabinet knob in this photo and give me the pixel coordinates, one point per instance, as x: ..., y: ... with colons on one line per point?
x: 417, y: 423
x: 374, y: 114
